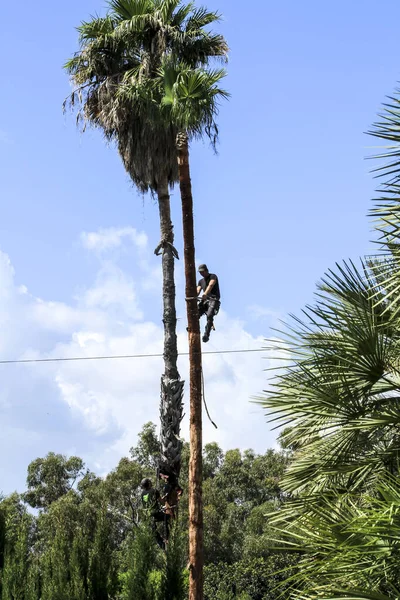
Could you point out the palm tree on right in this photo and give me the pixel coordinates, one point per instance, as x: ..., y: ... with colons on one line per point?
x: 340, y: 396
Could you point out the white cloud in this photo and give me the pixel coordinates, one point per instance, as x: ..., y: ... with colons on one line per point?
x: 58, y: 317
x: 95, y: 408
x: 113, y: 290
x: 257, y: 311
x: 106, y: 239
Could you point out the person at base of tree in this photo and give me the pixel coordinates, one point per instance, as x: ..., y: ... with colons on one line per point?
x: 151, y: 502
x: 210, y: 300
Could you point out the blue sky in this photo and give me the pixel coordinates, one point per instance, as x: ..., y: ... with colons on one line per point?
x: 283, y: 201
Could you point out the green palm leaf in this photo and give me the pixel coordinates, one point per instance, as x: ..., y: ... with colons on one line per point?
x: 201, y: 17
x: 128, y: 10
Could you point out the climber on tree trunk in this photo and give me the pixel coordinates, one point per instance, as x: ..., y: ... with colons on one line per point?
x: 151, y: 503
x: 210, y: 300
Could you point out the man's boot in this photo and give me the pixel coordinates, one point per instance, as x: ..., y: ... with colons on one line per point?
x: 206, y: 335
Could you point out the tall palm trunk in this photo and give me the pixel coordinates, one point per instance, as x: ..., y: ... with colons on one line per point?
x: 195, y: 463
x: 171, y: 405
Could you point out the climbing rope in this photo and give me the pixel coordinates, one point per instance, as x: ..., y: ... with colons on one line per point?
x: 204, y: 399
x: 202, y: 374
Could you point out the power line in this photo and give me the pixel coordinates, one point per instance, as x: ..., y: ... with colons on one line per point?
x: 77, y: 358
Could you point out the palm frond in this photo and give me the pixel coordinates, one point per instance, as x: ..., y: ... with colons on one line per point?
x: 386, y: 211
x: 341, y: 392
x: 126, y: 10
x: 167, y: 9
x: 94, y: 29
x: 195, y: 49
x: 191, y: 98
x: 200, y: 18
x: 180, y: 15
x: 349, y: 545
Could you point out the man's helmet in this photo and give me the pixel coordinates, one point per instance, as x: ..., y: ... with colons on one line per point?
x: 145, y: 483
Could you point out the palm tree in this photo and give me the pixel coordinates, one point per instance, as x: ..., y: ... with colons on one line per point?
x: 190, y: 104
x: 341, y: 395
x: 348, y: 544
x: 341, y: 383
x: 186, y: 99
x: 131, y: 41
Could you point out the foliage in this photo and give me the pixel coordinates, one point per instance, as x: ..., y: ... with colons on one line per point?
x: 50, y: 478
x: 140, y: 581
x: 256, y: 579
x: 129, y: 45
x: 190, y: 97
x: 90, y: 544
x: 234, y: 493
x: 340, y: 395
x: 18, y: 537
x: 175, y: 581
x: 147, y: 451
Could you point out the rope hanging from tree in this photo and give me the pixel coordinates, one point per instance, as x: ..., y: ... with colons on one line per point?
x: 204, y: 399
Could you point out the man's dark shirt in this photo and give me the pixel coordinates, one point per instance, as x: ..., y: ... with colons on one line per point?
x: 203, y: 283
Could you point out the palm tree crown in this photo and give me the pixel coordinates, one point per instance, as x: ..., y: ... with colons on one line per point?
x: 130, y: 42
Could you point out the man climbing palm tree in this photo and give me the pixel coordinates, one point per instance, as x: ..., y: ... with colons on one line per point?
x: 210, y: 300
x: 152, y: 505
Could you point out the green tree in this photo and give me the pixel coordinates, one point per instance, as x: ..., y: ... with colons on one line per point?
x: 50, y: 478
x: 3, y: 529
x: 175, y: 580
x: 147, y: 451
x: 122, y: 490
x: 19, y: 525
x: 88, y: 545
x: 212, y: 460
x: 79, y: 566
x: 57, y: 528
x: 257, y: 579
x: 139, y: 582
x: 236, y: 498
x: 102, y: 567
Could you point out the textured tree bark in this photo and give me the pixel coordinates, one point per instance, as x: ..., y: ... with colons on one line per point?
x: 171, y: 404
x: 195, y: 464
